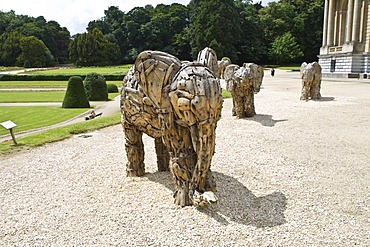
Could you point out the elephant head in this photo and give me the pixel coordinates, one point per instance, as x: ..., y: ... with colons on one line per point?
x: 257, y: 75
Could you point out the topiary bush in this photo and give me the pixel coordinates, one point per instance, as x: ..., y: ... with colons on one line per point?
x: 75, y: 96
x: 96, y: 87
x: 112, y: 88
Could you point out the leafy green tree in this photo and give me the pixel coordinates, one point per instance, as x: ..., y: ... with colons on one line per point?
x: 75, y: 96
x: 93, y: 48
x: 285, y: 49
x: 11, y: 49
x: 215, y: 21
x: 251, y: 46
x: 35, y: 52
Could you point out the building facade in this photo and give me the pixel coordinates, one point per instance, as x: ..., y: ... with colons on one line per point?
x: 345, y: 50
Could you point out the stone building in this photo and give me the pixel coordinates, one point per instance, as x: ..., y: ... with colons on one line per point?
x: 345, y: 50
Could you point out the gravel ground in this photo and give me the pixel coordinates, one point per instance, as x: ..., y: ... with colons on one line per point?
x: 296, y: 174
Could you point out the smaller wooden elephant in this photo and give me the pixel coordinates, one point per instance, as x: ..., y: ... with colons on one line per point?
x: 208, y: 58
x: 239, y: 82
x: 258, y: 74
x: 311, y: 81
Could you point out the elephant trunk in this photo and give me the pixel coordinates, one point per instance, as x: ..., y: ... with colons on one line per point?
x: 202, y: 184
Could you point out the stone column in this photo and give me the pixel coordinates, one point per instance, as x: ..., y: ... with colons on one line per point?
x: 325, y: 25
x: 356, y: 20
x: 349, y: 21
x: 331, y: 23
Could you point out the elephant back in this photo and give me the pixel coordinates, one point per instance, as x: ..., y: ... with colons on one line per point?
x: 195, y: 95
x: 154, y: 71
x: 208, y: 57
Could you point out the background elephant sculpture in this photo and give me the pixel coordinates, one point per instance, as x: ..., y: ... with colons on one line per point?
x: 179, y: 106
x: 311, y: 81
x: 240, y: 83
x: 257, y: 72
x: 208, y: 57
x: 222, y: 64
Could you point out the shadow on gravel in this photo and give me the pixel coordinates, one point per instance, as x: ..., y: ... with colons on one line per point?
x: 236, y: 202
x: 324, y: 99
x: 265, y: 120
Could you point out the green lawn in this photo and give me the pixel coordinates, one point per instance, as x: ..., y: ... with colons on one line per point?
x: 36, y: 96
x: 58, y: 134
x: 33, y: 84
x: 31, y: 117
x: 42, y: 84
x: 109, y: 70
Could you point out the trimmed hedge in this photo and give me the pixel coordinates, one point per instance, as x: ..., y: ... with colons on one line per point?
x: 75, y: 96
x: 96, y: 87
x: 10, y: 77
x: 112, y: 88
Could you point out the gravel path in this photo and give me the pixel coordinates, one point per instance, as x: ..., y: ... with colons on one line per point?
x: 297, y: 174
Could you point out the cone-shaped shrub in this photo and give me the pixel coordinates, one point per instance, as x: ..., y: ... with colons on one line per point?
x: 96, y: 87
x: 112, y: 88
x: 75, y: 96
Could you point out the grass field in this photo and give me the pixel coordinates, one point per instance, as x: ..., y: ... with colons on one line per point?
x: 58, y: 134
x: 36, y: 96
x: 31, y: 117
x: 109, y: 70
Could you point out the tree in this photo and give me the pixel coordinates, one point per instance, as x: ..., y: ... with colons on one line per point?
x: 215, y: 21
x: 11, y: 48
x: 93, y: 48
x: 285, y: 49
x: 34, y: 53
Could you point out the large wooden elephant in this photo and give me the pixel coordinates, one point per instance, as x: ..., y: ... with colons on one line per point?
x: 311, y: 81
x: 239, y: 82
x: 179, y: 107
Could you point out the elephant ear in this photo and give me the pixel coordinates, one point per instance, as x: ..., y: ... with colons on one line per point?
x: 154, y: 71
x: 303, y: 67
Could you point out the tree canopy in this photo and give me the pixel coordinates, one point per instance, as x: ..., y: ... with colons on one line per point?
x: 237, y: 29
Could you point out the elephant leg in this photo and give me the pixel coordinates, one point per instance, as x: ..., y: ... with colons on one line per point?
x: 233, y: 109
x: 315, y: 90
x: 305, y: 91
x: 134, y: 150
x: 238, y: 106
x: 249, y: 110
x: 163, y: 157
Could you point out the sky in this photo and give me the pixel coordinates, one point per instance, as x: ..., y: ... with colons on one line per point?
x: 76, y: 14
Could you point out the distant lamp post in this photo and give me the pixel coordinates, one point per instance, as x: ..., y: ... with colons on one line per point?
x: 9, y: 125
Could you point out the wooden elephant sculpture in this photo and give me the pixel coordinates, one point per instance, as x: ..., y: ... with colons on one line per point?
x: 239, y: 82
x: 311, y: 81
x: 258, y: 74
x: 179, y: 106
x: 222, y: 64
x: 208, y: 58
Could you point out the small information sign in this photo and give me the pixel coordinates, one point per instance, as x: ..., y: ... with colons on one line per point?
x: 8, y: 124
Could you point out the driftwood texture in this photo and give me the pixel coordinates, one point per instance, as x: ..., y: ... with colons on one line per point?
x: 208, y: 58
x: 179, y: 106
x: 311, y: 81
x: 222, y: 64
x: 240, y: 83
x: 257, y: 73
